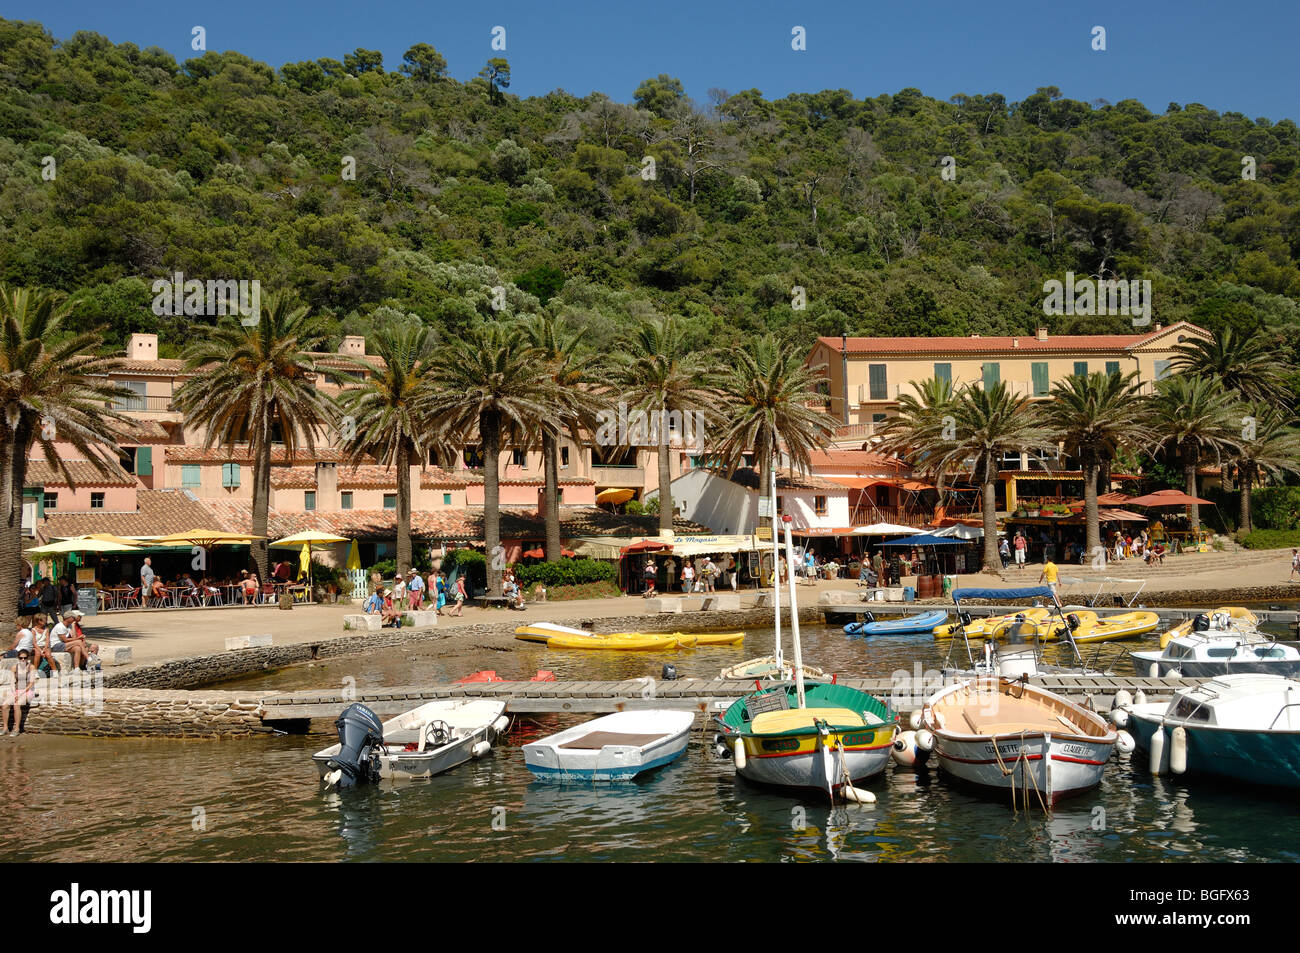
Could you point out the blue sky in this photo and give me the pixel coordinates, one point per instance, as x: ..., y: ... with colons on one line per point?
x: 1229, y: 56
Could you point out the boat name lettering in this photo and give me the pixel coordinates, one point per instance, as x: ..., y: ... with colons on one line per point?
x: 781, y: 744
x: 863, y: 738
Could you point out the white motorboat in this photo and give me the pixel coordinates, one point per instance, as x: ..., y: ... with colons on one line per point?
x: 616, y: 747
x: 1245, y: 727
x: 1208, y: 654
x: 420, y: 743
x: 1009, y: 735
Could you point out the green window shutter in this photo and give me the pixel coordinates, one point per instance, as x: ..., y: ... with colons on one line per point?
x: 1041, y: 384
x: 943, y: 372
x: 878, y: 383
x: 190, y: 474
x: 144, y: 461
x: 230, y: 474
x: 1081, y: 368
x: 1162, y: 370
x: 992, y: 374
x: 446, y: 499
x: 1112, y: 368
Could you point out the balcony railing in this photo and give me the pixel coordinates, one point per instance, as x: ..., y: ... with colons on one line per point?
x: 155, y: 404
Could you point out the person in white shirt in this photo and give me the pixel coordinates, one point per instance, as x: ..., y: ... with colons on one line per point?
x: 688, y: 576
x: 24, y: 641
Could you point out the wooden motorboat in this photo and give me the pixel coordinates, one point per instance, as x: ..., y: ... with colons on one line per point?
x: 1005, y: 735
x: 616, y: 747
x: 1242, y: 727
x: 770, y: 669
x: 420, y: 743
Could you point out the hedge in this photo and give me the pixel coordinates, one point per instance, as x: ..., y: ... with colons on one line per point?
x: 1275, y: 507
x: 1272, y: 539
x: 566, y: 572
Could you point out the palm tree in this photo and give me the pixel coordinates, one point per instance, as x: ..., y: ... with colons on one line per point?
x: 575, y: 371
x: 493, y: 381
x: 1193, y: 417
x: 1095, y: 416
x: 980, y: 426
x: 256, y: 386
x: 922, y: 415
x: 1270, y: 446
x: 765, y: 392
x: 53, y: 386
x: 389, y: 416
x: 1246, y: 366
x: 658, y: 372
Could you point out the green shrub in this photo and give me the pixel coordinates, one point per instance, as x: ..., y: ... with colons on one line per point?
x: 1271, y: 539
x: 469, y: 563
x: 1275, y: 507
x: 566, y: 572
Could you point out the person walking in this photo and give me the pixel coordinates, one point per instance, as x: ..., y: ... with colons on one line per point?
x: 146, y: 576
x: 458, y: 595
x: 1295, y: 564
x: 415, y: 591
x: 1004, y: 551
x: 1049, y: 575
x: 1021, y: 545
x: 688, y: 576
x: 650, y: 573
x: 670, y: 572
x: 733, y: 572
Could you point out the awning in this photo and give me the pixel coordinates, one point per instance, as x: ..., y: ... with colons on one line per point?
x: 1166, y: 498
x: 700, y: 545
x: 1119, y: 516
x: 823, y: 531
x: 924, y: 539
x: 884, y: 529
x: 960, y: 531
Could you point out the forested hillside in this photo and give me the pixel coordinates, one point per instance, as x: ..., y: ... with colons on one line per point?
x: 223, y: 167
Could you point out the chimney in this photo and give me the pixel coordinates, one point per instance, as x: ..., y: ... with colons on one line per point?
x: 1159, y: 326
x: 353, y: 344
x: 142, y: 347
x: 974, y: 335
x: 1015, y: 342
x: 327, y: 487
x: 1042, y: 334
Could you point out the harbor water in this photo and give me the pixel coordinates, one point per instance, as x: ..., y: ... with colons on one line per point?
x: 73, y: 799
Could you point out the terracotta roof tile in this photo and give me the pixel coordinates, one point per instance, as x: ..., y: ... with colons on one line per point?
x: 785, y: 480
x: 1004, y: 344
x: 84, y: 472
x: 854, y: 460
x: 157, y: 513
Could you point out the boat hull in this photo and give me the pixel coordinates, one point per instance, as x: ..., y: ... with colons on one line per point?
x: 865, y: 755
x: 551, y: 760
x: 1189, y: 668
x: 1270, y: 758
x: 1055, y: 769
x: 914, y: 625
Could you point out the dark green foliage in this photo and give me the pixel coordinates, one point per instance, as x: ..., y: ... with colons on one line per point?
x: 1276, y: 508
x: 225, y: 167
x: 1271, y: 539
x: 566, y: 572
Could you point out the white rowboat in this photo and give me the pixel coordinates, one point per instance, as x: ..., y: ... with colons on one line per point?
x: 616, y: 747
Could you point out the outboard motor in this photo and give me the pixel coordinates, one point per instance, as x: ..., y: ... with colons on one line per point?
x: 868, y: 618
x: 1072, y: 620
x: 1201, y: 623
x: 670, y: 672
x: 964, y: 617
x: 361, y: 734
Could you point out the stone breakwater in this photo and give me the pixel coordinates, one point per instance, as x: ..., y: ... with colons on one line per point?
x: 162, y: 700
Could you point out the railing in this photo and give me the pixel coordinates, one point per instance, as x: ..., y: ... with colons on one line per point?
x: 618, y: 473
x: 155, y: 404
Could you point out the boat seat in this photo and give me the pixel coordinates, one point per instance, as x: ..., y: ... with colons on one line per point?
x: 774, y: 722
x: 768, y: 701
x: 596, y: 740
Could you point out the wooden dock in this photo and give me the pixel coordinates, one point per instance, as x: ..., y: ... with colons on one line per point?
x: 705, y: 695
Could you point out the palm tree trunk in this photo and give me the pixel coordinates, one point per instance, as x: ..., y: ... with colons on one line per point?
x: 665, y: 477
x: 1103, y: 476
x: 13, y: 460
x: 404, y: 507
x: 1243, y: 493
x: 551, y: 462
x: 489, y: 426
x: 1193, y: 509
x: 261, y: 508
x: 989, y: 511
x: 1091, y: 517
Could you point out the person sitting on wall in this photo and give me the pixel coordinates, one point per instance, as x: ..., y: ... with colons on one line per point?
x: 391, y: 611
x: 510, y: 589
x: 375, y: 603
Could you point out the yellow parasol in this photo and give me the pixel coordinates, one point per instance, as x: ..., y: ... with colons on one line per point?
x: 202, y: 537
x: 615, y: 495
x: 306, y: 539
x: 304, y: 560
x: 354, y: 556
x: 80, y: 544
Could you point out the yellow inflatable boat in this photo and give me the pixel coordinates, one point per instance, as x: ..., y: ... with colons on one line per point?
x: 557, y: 636
x: 1093, y: 628
x: 1041, y: 616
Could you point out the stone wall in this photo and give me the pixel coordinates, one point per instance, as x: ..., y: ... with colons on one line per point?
x: 125, y: 712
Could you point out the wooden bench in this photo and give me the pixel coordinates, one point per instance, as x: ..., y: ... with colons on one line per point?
x: 486, y: 601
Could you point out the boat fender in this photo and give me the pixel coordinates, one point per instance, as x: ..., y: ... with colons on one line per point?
x: 904, y: 750
x: 1123, y: 699
x: 914, y: 720
x: 1174, y: 673
x: 1125, y: 744
x: 1154, y: 670
x: 858, y: 795
x: 480, y: 749
x: 1140, y: 698
x: 719, y: 746
x: 1119, y: 717
x: 739, y: 753
x: 1159, y: 761
x: 1178, y: 750
x: 500, y: 725
x: 924, y: 743
x: 332, y: 777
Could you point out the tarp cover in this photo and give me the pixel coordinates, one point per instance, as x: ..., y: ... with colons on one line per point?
x: 1028, y: 592
x: 924, y: 539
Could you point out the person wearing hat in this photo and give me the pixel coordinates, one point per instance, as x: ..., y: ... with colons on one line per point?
x: 17, y: 689
x: 391, y: 614
x: 70, y: 638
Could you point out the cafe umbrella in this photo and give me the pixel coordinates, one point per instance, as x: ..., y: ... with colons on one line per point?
x: 306, y: 539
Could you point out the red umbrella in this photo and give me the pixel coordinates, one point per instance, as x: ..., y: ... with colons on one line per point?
x: 1166, y: 498
x: 646, y: 546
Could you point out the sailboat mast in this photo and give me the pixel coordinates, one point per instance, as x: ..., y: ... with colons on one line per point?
x: 794, y: 615
x: 776, y: 572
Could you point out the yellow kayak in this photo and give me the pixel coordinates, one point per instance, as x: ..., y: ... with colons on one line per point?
x: 692, y: 640
x: 1126, y: 625
x: 616, y: 641
x: 1238, y: 614
x: 983, y: 628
